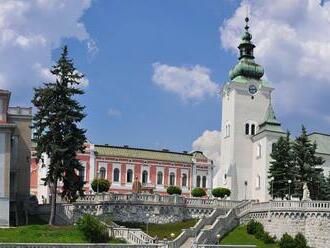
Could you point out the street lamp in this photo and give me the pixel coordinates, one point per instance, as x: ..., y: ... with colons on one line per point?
x: 289, y: 181
x: 245, y: 183
x: 147, y: 215
x: 98, y: 181
x: 272, y: 180
x: 172, y: 235
x: 218, y: 238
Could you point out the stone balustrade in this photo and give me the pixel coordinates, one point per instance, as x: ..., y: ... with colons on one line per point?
x: 157, y: 199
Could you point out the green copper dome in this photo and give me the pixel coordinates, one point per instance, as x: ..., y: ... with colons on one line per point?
x: 247, y: 68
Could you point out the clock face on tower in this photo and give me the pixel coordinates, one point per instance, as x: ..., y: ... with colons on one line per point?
x: 253, y: 89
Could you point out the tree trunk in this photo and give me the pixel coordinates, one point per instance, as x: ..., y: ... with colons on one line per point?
x: 53, y: 203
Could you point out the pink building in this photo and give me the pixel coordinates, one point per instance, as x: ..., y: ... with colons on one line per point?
x: 155, y: 169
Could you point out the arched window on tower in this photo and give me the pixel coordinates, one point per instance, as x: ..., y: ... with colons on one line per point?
x: 258, y: 182
x: 198, y: 181
x: 129, y: 176
x: 247, y: 128
x: 253, y: 129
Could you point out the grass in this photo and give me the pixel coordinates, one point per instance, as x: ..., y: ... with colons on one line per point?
x: 162, y: 230
x: 239, y: 236
x: 44, y: 234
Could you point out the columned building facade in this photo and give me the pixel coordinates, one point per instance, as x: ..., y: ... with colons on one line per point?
x: 155, y: 169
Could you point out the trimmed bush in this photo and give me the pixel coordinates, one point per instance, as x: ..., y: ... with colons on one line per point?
x: 287, y: 241
x: 220, y: 192
x: 268, y: 239
x: 100, y: 185
x: 198, y: 192
x: 173, y: 190
x: 300, y: 241
x: 93, y: 230
x: 254, y: 227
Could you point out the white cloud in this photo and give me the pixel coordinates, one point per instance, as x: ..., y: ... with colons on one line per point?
x: 113, y: 113
x: 29, y: 31
x: 190, y: 83
x: 209, y: 143
x: 293, y: 44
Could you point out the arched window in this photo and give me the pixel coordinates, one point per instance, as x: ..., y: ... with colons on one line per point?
x: 172, y: 178
x: 160, y: 178
x: 82, y: 174
x: 198, y: 181
x: 102, y: 173
x: 247, y: 128
x: 258, y: 150
x: 204, y: 182
x: 116, y: 175
x: 253, y: 129
x: 228, y: 130
x: 258, y: 183
x: 184, y: 180
x: 129, y: 176
x: 144, y: 177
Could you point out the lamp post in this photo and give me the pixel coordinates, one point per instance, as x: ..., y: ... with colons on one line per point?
x: 245, y: 183
x: 218, y: 238
x: 172, y: 235
x: 272, y: 180
x: 147, y: 215
x: 289, y: 182
x: 98, y: 187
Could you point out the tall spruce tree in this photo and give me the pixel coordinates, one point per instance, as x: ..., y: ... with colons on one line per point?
x: 56, y: 130
x: 281, y: 168
x: 324, y: 189
x: 307, y: 165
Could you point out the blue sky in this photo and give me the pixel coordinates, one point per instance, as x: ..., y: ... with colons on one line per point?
x: 118, y: 44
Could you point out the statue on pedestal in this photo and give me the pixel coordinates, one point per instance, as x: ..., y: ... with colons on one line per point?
x: 306, y: 193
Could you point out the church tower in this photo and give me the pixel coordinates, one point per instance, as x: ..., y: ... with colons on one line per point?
x: 246, y: 99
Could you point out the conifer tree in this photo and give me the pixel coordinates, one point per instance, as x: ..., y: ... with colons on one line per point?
x: 307, y: 165
x: 324, y: 188
x: 281, y: 168
x: 56, y: 130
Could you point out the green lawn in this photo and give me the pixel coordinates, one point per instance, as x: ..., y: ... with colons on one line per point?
x: 239, y: 236
x: 43, y: 234
x: 162, y: 230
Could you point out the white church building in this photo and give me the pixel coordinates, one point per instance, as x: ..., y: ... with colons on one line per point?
x: 250, y: 128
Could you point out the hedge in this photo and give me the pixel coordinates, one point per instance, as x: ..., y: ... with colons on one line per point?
x: 221, y: 192
x: 198, y: 192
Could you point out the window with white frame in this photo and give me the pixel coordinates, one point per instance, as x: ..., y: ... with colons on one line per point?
x: 129, y: 176
x: 159, y: 178
x: 184, y: 180
x: 103, y: 172
x: 258, y: 181
x: 259, y: 150
x: 172, y: 178
x: 204, y: 182
x: 198, y: 181
x: 116, y: 174
x: 144, y: 177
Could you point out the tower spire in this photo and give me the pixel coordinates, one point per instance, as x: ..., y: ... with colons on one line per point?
x: 246, y: 68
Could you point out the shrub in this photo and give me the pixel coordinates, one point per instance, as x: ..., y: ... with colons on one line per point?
x: 300, y: 241
x: 198, y: 192
x: 173, y: 190
x: 93, y: 230
x: 268, y: 239
x: 220, y: 192
x: 253, y: 227
x: 287, y: 241
x: 100, y: 185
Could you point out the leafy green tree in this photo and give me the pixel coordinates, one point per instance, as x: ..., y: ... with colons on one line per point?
x: 173, y: 190
x: 198, y: 192
x: 56, y: 130
x: 281, y: 169
x: 324, y: 188
x: 307, y: 165
x: 100, y: 185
